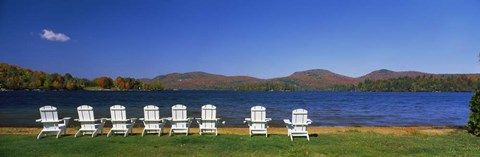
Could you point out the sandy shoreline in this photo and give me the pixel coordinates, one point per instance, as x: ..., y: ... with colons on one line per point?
x: 427, y: 130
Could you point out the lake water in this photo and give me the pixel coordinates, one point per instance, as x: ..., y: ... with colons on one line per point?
x: 20, y: 108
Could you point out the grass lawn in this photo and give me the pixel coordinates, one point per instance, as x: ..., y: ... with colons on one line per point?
x: 350, y: 143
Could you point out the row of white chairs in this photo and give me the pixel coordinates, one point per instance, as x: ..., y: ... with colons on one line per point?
x: 180, y: 123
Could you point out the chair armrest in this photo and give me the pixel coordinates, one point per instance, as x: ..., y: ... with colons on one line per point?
x: 268, y: 119
x: 190, y: 119
x: 133, y: 121
x: 142, y: 119
x: 218, y: 120
x: 65, y: 120
x: 38, y: 120
x: 199, y: 121
x: 163, y: 120
x: 103, y: 120
x: 287, y: 121
x: 247, y: 120
x: 309, y: 121
x: 126, y: 120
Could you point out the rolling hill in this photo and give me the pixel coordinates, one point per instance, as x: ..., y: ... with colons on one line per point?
x: 315, y: 79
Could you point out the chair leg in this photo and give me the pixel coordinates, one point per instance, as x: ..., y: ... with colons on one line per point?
x: 101, y: 130
x: 39, y: 135
x: 216, y: 132
x: 127, y: 132
x: 59, y: 133
x: 78, y: 132
x: 109, y: 133
x: 171, y: 130
x: 291, y: 137
x: 95, y: 133
x: 143, y: 132
x: 308, y: 137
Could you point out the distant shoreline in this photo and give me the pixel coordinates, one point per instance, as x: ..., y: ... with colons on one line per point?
x: 209, y: 90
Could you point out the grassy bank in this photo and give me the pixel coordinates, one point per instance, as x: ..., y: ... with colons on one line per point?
x: 349, y: 143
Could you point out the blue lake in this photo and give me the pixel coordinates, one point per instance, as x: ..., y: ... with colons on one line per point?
x: 20, y: 108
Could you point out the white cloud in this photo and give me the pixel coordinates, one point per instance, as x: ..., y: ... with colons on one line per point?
x: 52, y: 36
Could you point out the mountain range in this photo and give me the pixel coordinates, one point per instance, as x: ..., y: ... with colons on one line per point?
x: 315, y: 79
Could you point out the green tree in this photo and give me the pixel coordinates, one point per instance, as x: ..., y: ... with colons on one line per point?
x: 47, y: 84
x: 155, y: 85
x: 57, y: 85
x: 473, y: 124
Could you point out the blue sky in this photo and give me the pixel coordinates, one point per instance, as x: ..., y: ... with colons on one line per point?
x: 260, y: 38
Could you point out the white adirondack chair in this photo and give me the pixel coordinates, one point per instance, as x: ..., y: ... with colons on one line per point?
x: 180, y: 122
x: 120, y: 123
x: 258, y: 124
x: 87, y: 121
x: 152, y: 121
x: 51, y: 123
x: 298, y: 126
x: 209, y: 120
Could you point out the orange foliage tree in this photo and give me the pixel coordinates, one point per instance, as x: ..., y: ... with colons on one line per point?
x: 119, y: 83
x: 104, y: 82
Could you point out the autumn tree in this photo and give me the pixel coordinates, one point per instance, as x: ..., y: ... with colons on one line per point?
x: 71, y: 85
x: 104, y: 82
x: 119, y: 83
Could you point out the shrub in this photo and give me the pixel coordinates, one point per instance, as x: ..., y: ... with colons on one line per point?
x: 473, y: 124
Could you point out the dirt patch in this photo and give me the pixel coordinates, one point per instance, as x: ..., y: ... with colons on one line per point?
x: 427, y: 130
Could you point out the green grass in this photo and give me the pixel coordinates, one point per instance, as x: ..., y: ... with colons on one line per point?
x: 336, y: 144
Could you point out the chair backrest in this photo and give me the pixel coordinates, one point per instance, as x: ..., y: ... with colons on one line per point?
x: 299, y: 116
x: 179, y: 112
x: 151, y: 112
x: 209, y: 112
x: 48, y: 113
x: 258, y: 113
x: 118, y: 113
x: 85, y: 113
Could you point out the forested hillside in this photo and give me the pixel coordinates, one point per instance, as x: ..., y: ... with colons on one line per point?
x: 17, y: 78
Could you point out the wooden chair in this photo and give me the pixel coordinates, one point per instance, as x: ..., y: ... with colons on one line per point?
x: 87, y: 121
x: 209, y: 120
x: 120, y: 123
x: 180, y: 122
x: 51, y: 123
x: 152, y: 121
x: 258, y: 124
x: 299, y: 123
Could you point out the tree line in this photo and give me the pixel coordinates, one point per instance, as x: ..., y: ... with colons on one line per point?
x: 266, y: 86
x: 17, y: 78
x: 425, y: 83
